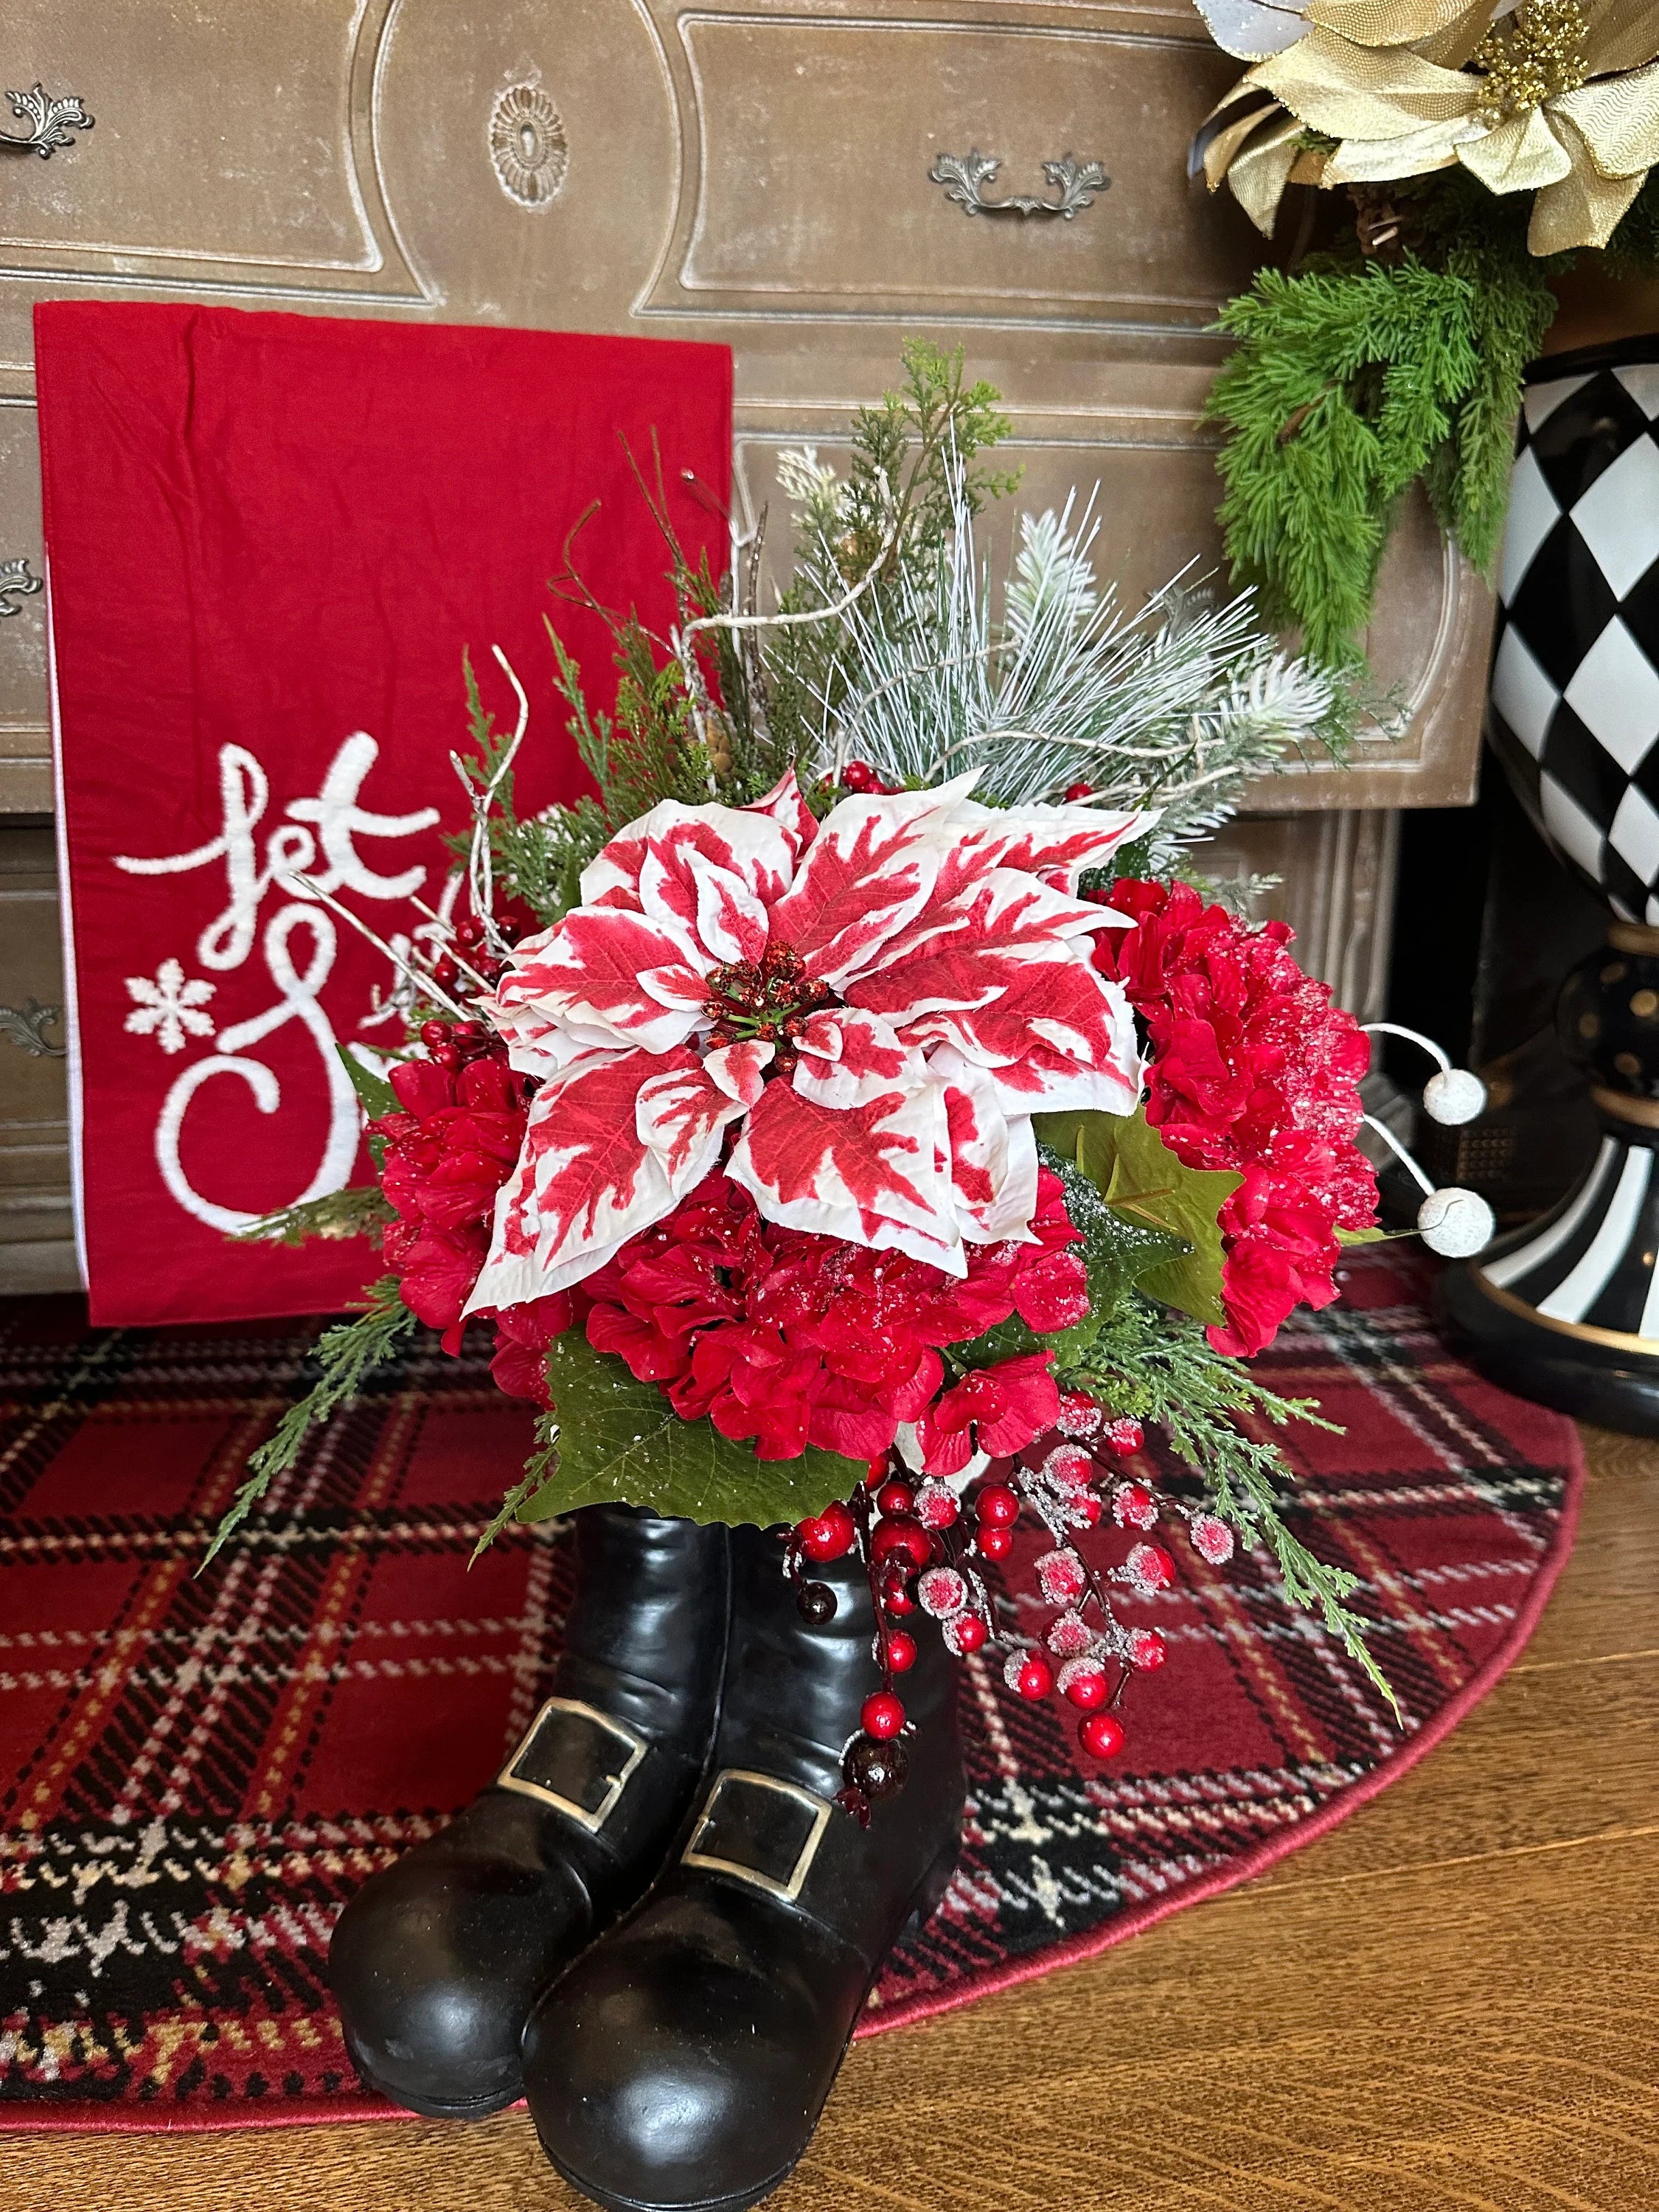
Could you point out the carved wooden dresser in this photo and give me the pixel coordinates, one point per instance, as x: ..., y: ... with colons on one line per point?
x: 806, y: 180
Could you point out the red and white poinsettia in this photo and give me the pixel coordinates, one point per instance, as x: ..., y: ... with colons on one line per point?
x: 867, y: 1010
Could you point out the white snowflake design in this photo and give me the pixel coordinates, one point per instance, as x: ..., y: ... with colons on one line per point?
x: 167, y: 1009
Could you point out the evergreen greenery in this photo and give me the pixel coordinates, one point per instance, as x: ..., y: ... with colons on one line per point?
x: 345, y: 1354
x: 1355, y: 376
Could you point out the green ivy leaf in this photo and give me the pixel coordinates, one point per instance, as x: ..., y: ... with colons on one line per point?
x: 1141, y: 1179
x: 620, y: 1441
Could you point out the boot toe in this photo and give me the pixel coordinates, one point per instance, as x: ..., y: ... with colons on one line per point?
x: 434, y: 1972
x: 691, y: 2080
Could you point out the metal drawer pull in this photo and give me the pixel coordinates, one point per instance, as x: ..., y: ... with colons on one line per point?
x: 964, y: 177
x: 50, y: 121
x: 26, y: 1026
x: 14, y: 577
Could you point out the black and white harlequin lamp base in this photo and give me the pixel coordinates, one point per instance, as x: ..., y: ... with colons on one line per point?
x: 1566, y: 1310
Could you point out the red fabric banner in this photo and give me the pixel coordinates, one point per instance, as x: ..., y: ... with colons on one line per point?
x: 270, y: 539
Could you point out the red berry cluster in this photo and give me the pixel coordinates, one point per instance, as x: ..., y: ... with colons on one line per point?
x: 922, y: 1550
x: 861, y: 779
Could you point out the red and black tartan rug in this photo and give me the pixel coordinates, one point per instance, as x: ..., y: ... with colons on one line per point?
x: 195, y: 1773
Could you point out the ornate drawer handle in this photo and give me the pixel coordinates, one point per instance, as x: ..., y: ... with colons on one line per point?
x: 15, y: 578
x: 26, y: 1026
x: 49, y: 121
x: 964, y: 177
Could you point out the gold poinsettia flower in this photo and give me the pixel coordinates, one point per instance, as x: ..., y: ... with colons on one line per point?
x: 1560, y: 98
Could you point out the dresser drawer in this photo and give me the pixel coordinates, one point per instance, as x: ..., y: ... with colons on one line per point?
x: 814, y: 144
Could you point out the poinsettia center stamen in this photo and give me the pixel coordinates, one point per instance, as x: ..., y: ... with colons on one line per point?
x: 769, y: 1001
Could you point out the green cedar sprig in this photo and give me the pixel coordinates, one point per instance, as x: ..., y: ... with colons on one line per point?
x: 1159, y: 1367
x: 344, y: 1354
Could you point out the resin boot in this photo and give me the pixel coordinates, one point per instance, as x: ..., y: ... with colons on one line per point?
x: 437, y: 1960
x: 685, y: 2059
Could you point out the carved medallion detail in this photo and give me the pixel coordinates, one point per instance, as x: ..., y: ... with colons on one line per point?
x: 527, y: 145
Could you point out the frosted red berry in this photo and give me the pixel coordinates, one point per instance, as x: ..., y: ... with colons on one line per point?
x: 829, y: 1535
x: 966, y: 1633
x: 901, y: 1650
x: 995, y: 1543
x: 896, y: 1497
x: 858, y: 775
x: 1122, y: 1436
x: 882, y: 1716
x: 936, y: 1505
x: 1146, y: 1650
x: 997, y: 1506
x: 1133, y: 1506
x: 1101, y: 1735
x: 1213, y: 1539
x: 1087, y: 1689
x: 896, y: 1597
x: 1029, y: 1672
x: 1151, y: 1566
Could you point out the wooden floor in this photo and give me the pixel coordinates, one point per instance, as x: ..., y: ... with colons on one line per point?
x: 1452, y: 2001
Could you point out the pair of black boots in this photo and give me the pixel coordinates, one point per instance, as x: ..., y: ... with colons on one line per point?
x: 657, y: 1924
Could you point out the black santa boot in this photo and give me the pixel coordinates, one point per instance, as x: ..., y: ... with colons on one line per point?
x: 683, y: 2060
x: 436, y: 1961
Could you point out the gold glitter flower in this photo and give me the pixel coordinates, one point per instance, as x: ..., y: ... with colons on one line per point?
x: 1560, y: 98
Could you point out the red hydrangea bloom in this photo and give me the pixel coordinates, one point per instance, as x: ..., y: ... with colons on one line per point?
x: 448, y: 1149
x: 1007, y: 1406
x: 1254, y: 1070
x: 795, y: 1339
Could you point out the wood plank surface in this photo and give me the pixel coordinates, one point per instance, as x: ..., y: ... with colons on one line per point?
x: 1452, y: 2001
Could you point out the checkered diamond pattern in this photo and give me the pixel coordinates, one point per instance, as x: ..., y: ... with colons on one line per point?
x: 1574, y: 713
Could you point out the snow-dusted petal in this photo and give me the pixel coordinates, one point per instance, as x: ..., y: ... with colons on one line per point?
x: 586, y: 1180
x: 615, y: 976
x: 848, y: 1058
x: 870, y: 1174
x: 993, y: 1156
x: 868, y: 873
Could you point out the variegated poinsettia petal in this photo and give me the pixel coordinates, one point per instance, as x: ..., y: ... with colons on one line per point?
x: 680, y: 1113
x: 752, y: 844
x: 848, y: 1057
x: 585, y: 1180
x: 870, y: 1174
x: 787, y: 804
x: 613, y: 976
x: 1056, y: 1035
x: 1055, y: 843
x: 993, y: 1156
x: 703, y: 901
x: 870, y: 869
x: 955, y: 955
x: 740, y: 1069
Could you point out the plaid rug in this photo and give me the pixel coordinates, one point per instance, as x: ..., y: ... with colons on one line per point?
x: 194, y: 1773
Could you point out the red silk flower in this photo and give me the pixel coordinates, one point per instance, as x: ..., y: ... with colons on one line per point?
x: 1251, y: 1068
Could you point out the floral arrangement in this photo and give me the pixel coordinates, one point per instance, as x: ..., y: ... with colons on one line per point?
x: 1479, y: 148
x: 847, y: 1119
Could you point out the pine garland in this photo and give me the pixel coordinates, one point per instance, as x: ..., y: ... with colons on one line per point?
x: 1356, y: 375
